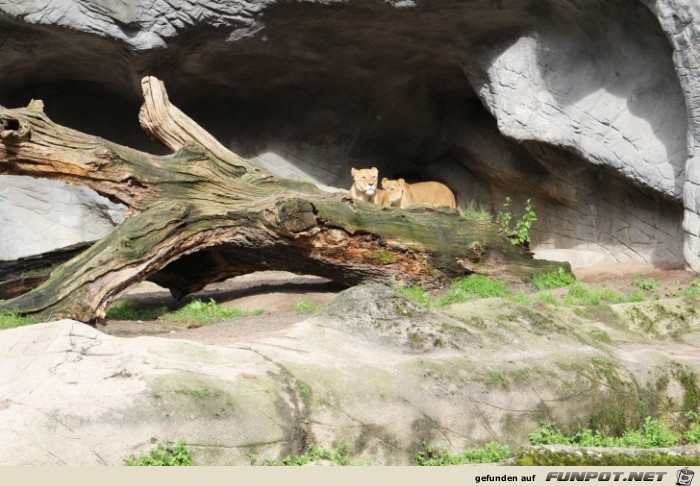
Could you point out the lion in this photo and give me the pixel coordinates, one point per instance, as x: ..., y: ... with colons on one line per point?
x: 364, y: 186
x: 402, y: 195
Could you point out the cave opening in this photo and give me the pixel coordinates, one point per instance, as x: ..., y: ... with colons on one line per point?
x: 419, y: 92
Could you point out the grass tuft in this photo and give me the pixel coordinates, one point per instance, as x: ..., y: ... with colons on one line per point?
x: 199, y: 312
x: 472, y: 287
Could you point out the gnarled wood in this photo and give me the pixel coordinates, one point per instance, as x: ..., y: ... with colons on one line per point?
x: 204, y: 214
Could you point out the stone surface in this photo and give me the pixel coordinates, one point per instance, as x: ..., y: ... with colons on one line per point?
x: 38, y: 216
x: 70, y: 394
x: 589, y: 108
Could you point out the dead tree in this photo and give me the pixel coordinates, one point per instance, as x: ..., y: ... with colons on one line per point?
x: 203, y: 214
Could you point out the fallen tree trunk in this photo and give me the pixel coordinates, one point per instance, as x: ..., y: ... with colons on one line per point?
x: 204, y: 214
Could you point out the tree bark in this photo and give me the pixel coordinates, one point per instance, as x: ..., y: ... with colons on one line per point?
x: 204, y: 214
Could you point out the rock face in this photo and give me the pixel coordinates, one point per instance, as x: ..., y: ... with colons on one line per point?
x: 589, y: 108
x: 478, y: 372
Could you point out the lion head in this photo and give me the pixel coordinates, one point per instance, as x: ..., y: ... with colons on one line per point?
x: 366, y: 180
x: 394, y: 190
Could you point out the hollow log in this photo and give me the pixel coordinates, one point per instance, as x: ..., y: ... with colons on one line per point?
x: 203, y: 214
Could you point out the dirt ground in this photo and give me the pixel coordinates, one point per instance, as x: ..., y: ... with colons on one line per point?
x: 277, y: 293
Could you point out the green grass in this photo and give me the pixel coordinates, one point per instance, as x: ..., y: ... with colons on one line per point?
x: 473, y: 287
x: 9, y: 320
x: 553, y: 279
x: 581, y: 294
x: 475, y: 212
x: 646, y: 284
x: 199, y: 312
x: 133, y: 310
x: 491, y: 452
x: 163, y: 455
x: 416, y: 294
x: 305, y: 306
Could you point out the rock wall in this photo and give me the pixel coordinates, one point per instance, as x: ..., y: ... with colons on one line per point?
x: 588, y: 107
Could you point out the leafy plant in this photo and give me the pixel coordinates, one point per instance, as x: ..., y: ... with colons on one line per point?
x: 473, y: 286
x: 305, y: 306
x: 553, y: 279
x: 416, y: 294
x: 519, y: 233
x: 199, y: 312
x: 338, y: 456
x: 163, y: 455
x: 491, y: 452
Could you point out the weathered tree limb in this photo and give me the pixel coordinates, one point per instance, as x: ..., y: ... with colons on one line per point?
x: 204, y: 214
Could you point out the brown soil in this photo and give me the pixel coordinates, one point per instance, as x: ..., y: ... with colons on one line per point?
x: 276, y: 294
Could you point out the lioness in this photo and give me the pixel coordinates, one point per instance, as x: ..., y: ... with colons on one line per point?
x: 400, y: 194
x: 364, y: 186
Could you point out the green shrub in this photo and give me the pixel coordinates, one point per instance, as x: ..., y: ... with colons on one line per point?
x: 491, y: 452
x: 163, y: 455
x: 553, y: 279
x: 199, y: 312
x: 472, y: 287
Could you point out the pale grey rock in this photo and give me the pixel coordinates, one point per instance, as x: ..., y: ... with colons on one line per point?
x: 71, y: 395
x: 38, y: 216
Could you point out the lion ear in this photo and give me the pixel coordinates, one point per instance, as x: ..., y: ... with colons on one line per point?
x: 402, y: 182
x: 384, y: 181
x: 353, y: 171
x: 375, y: 170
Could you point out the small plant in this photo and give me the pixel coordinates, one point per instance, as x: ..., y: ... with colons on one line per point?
x: 548, y: 434
x: 693, y: 289
x: 553, y: 279
x: 519, y: 234
x: 416, y: 294
x: 14, y: 319
x: 491, y: 452
x: 337, y: 456
x: 133, y: 310
x: 473, y: 286
x: 523, y: 225
x: 199, y: 312
x: 257, y: 312
x: 646, y: 284
x: 163, y: 455
x: 305, y: 306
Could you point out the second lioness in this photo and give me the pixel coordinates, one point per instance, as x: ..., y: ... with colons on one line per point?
x: 400, y: 194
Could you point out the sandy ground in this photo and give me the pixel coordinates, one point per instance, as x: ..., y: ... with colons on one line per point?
x: 276, y: 294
